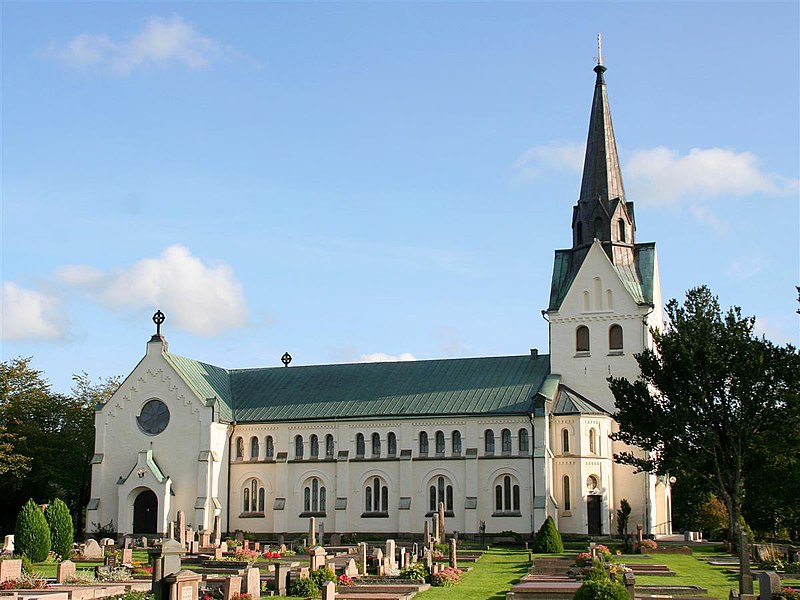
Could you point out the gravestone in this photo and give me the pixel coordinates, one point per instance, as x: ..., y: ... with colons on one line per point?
x: 436, y: 531
x: 110, y: 560
x: 318, y: 556
x: 232, y: 585
x: 379, y: 560
x: 336, y: 539
x: 426, y: 533
x: 390, y: 549
x: 402, y: 563
x: 415, y: 549
x: 181, y: 527
x: 194, y: 547
x: 427, y: 556
x: 362, y: 546
x: 217, y: 531
x: 218, y: 553
x: 312, y: 531
x: 282, y: 571
x: 65, y: 571
x: 629, y: 581
x: 321, y: 536
x: 127, y: 556
x: 441, y: 523
x: 240, y: 537
x: 769, y: 583
x: 328, y: 590
x: 143, y: 542
x: 256, y: 546
x: 92, y: 549
x: 350, y: 568
x: 182, y: 585
x: 453, y: 557
x: 246, y: 545
x: 8, y: 545
x: 252, y: 583
x: 745, y: 578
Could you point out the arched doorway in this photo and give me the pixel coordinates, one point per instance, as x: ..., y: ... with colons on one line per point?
x: 593, y: 511
x: 145, y: 512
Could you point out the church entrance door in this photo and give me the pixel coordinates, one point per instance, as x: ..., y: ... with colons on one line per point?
x: 593, y: 510
x: 145, y: 513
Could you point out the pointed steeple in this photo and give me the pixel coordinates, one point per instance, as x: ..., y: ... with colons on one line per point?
x: 602, y: 211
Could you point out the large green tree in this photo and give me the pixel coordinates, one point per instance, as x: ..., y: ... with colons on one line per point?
x: 709, y: 393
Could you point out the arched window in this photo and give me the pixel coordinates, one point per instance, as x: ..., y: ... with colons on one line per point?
x: 239, y: 448
x: 609, y: 300
x: 359, y: 444
x: 621, y: 229
x: 506, y: 495
x: 376, y: 496
x: 439, y: 442
x: 565, y: 492
x: 314, y: 497
x: 253, y: 496
x: 391, y: 444
x: 423, y: 443
x: 505, y: 441
x: 329, y: 446
x: 591, y: 483
x: 564, y: 441
x: 592, y: 441
x: 376, y: 444
x: 270, y: 447
x: 524, y: 445
x: 254, y: 448
x: 440, y: 490
x: 615, y: 337
x: 598, y: 228
x: 456, y: 442
x: 314, y: 446
x: 488, y: 441
x: 582, y: 339
x: 298, y: 446
x: 586, y: 304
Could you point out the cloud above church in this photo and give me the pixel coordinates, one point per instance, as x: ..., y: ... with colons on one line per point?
x: 27, y: 314
x: 199, y: 298
x: 162, y: 43
x: 382, y: 357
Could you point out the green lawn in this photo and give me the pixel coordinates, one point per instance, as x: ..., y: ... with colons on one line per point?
x: 490, y: 578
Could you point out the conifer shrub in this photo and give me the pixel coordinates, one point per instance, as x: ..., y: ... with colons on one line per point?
x: 548, y: 540
x: 62, y: 532
x: 601, y: 589
x: 305, y: 587
x: 322, y: 575
x: 31, y: 534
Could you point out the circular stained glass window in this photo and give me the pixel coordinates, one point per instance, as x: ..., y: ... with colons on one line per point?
x: 154, y: 417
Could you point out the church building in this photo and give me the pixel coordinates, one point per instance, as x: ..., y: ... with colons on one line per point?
x: 502, y: 442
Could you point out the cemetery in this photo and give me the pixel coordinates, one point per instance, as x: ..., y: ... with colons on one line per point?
x: 191, y: 564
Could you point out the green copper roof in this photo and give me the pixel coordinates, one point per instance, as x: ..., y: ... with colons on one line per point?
x: 465, y: 386
x: 570, y: 402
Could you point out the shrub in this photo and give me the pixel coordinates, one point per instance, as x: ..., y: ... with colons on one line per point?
x: 712, y: 516
x: 305, y: 587
x: 416, y: 572
x: 597, y: 573
x: 322, y: 575
x: 32, y: 535
x: 603, y: 552
x: 548, y: 540
x: 788, y: 593
x: 645, y: 545
x: 104, y: 531
x: 62, y: 533
x: 792, y: 567
x: 26, y: 582
x: 601, y: 589
x: 132, y: 595
x: 447, y: 577
x: 27, y: 565
x: 623, y: 515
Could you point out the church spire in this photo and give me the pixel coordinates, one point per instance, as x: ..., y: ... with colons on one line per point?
x: 602, y: 211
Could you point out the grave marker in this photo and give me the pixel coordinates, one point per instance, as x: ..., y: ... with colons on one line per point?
x: 65, y: 571
x: 312, y: 531
x: 181, y: 525
x: 232, y: 585
x: 453, y: 557
x: 769, y: 583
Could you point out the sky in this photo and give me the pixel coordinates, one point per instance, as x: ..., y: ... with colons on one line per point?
x: 374, y: 181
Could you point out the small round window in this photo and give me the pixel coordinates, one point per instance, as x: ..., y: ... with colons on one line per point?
x: 154, y: 417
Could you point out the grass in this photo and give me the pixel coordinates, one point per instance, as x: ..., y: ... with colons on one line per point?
x: 490, y: 578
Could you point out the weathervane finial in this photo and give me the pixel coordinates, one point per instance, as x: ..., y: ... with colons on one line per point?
x: 599, y: 48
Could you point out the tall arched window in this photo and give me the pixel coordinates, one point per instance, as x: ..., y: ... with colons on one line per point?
x: 488, y: 441
x: 423, y: 443
x: 598, y: 228
x: 506, y: 495
x: 298, y: 446
x: 440, y: 490
x: 456, y: 442
x: 505, y: 441
x: 360, y: 444
x: 439, y: 442
x: 239, y: 448
x: 246, y: 500
x: 376, y: 496
x: 391, y: 444
x: 253, y: 496
x: 615, y: 337
x: 329, y: 446
x: 524, y: 445
x: 621, y: 229
x: 270, y: 447
x: 376, y: 444
x: 565, y: 492
x: 564, y: 441
x: 254, y: 448
x: 582, y: 339
x: 314, y: 446
x: 592, y: 441
x: 314, y: 497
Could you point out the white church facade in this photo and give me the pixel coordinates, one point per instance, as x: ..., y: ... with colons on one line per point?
x: 503, y: 442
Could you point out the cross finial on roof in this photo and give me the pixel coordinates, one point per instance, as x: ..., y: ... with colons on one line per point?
x: 599, y: 48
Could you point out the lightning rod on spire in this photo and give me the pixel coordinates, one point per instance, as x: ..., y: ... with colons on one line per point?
x: 599, y: 48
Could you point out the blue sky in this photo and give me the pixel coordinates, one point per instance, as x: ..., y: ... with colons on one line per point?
x: 356, y: 181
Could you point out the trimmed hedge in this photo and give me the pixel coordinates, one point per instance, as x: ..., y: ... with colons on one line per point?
x: 602, y: 589
x: 548, y: 540
x: 62, y: 533
x: 32, y: 535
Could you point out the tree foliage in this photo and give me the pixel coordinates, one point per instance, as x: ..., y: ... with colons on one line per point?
x: 62, y: 533
x: 709, y: 392
x: 623, y: 515
x: 548, y: 539
x: 32, y: 535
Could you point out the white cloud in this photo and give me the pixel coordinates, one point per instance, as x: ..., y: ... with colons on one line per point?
x: 381, y: 357
x: 556, y: 156
x: 28, y: 314
x: 162, y: 43
x: 201, y: 299
x: 662, y: 175
x: 747, y: 267
x: 774, y: 331
x: 707, y: 216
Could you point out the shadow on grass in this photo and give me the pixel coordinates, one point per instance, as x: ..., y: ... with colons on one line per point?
x: 514, y: 576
